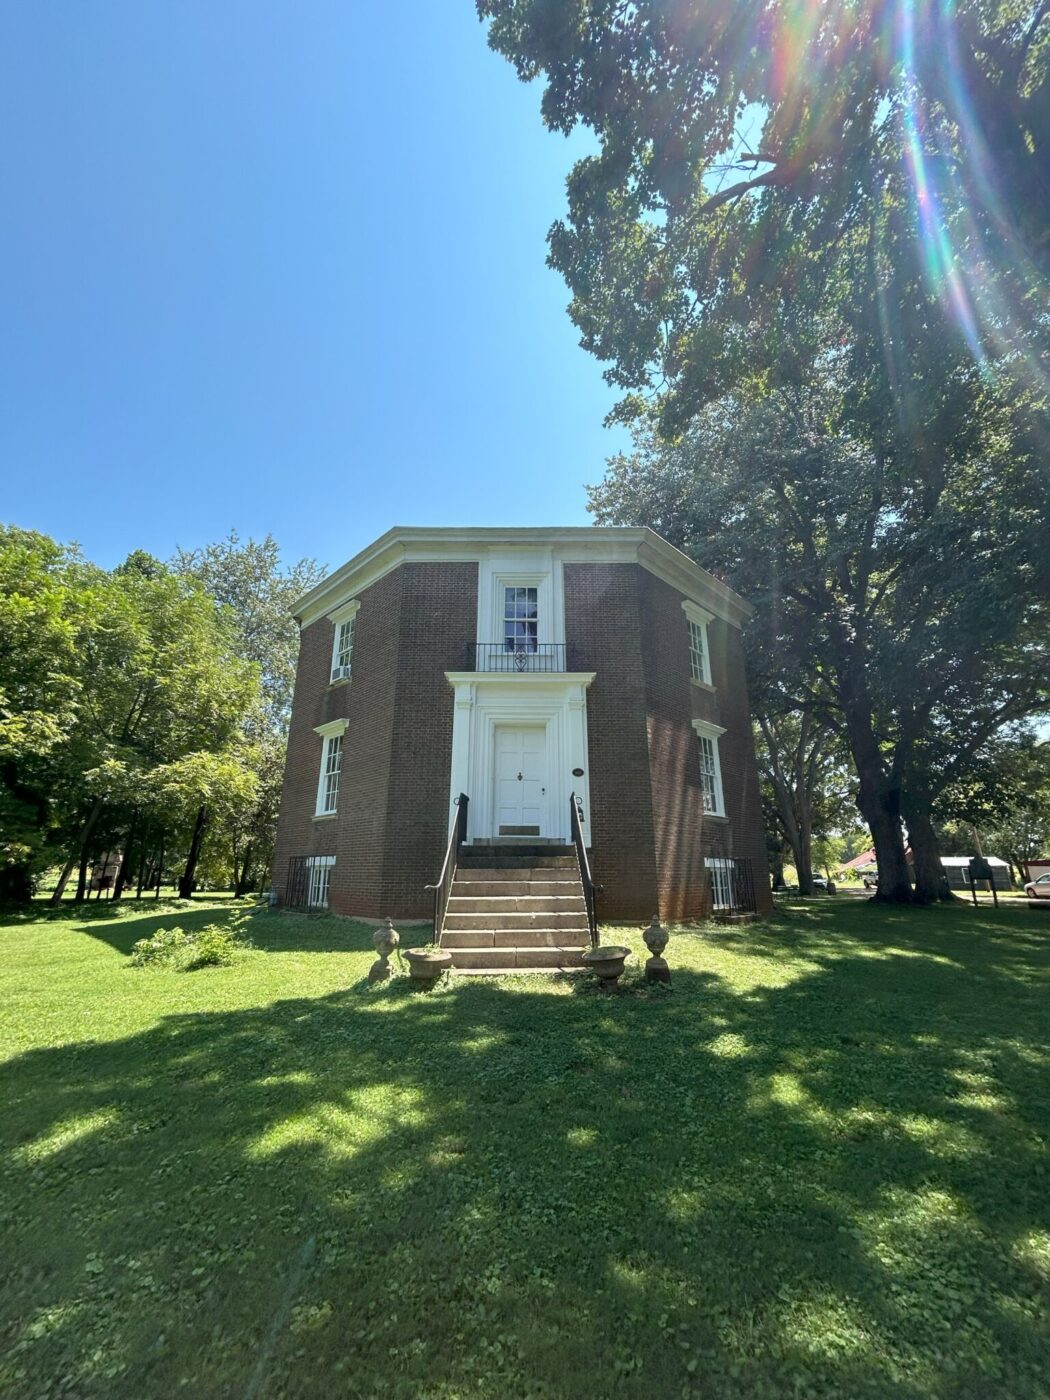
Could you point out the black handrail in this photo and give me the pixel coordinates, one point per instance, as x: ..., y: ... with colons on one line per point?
x: 590, y: 889
x: 443, y: 888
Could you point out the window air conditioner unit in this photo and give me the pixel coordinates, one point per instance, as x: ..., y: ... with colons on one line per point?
x: 340, y: 673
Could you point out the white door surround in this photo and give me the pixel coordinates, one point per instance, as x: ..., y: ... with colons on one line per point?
x: 520, y: 774
x: 556, y: 707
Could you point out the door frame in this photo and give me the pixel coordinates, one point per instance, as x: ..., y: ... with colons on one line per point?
x: 531, y: 699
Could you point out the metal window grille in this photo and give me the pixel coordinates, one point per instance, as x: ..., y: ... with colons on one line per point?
x: 732, y: 885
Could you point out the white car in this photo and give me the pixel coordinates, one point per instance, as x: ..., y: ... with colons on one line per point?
x: 1040, y: 888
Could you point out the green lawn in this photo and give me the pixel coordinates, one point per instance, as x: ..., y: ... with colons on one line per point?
x: 816, y: 1167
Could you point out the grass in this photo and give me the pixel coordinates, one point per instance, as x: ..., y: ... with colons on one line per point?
x: 816, y: 1167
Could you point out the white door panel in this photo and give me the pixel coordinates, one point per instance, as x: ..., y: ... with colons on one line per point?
x: 521, y: 779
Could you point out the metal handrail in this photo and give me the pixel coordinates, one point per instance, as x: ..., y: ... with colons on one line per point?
x: 514, y: 657
x: 590, y: 889
x: 443, y: 888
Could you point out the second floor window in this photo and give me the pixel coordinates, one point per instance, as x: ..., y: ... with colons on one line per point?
x: 343, y: 652
x: 707, y: 736
x: 332, y: 762
x: 698, y: 664
x: 521, y: 619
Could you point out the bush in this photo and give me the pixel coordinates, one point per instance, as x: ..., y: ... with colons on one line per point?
x: 211, y: 946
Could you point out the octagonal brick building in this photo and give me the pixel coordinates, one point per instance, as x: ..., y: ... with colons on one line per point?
x: 523, y: 668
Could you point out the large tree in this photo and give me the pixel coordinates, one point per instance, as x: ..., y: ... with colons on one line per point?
x: 872, y: 252
x: 742, y: 147
x: 908, y: 614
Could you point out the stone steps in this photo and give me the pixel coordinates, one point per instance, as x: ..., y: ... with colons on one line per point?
x: 516, y: 907
x: 514, y: 937
x: 515, y: 959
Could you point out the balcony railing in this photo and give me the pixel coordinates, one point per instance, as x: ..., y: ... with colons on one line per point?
x: 510, y: 659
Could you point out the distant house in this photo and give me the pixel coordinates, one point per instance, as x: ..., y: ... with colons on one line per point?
x: 956, y: 869
x: 1038, y: 867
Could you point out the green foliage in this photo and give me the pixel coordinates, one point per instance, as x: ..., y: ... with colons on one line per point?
x: 783, y: 1178
x: 214, y: 945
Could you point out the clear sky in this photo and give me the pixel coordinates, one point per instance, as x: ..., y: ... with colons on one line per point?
x: 280, y: 266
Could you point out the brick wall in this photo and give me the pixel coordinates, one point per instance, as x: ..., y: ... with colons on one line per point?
x: 603, y: 625
x: 438, y: 620
x: 683, y: 833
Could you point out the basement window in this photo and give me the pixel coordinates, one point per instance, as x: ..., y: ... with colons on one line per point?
x: 721, y: 882
x: 320, y: 868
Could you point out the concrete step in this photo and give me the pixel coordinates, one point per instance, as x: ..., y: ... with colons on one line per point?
x: 514, y: 938
x: 506, y: 959
x: 519, y: 889
x: 539, y: 847
x: 527, y: 875
x: 515, y: 861
x: 569, y: 903
x: 537, y: 918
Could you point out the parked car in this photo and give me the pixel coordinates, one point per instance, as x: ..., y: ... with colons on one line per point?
x: 871, y: 882
x: 1039, y: 888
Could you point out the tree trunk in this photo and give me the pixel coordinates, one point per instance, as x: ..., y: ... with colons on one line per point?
x: 82, y: 840
x: 122, y: 873
x: 160, y: 867
x: 82, y: 878
x: 142, y: 870
x: 880, y: 808
x: 931, y: 883
x: 878, y: 796
x: 244, y: 881
x: 777, y: 868
x: 186, y: 880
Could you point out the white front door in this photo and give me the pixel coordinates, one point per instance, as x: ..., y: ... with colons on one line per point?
x: 521, y: 781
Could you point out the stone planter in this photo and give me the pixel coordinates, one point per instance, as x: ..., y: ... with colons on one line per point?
x: 607, y: 963
x: 656, y: 969
x: 426, y: 966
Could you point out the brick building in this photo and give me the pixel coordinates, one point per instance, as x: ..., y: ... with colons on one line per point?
x: 521, y: 667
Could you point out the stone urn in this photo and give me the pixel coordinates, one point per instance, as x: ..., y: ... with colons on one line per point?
x: 656, y: 969
x: 607, y: 963
x: 386, y: 938
x: 427, y: 964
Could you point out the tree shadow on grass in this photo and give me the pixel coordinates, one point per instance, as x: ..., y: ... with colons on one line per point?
x: 271, y: 931
x: 828, y: 1183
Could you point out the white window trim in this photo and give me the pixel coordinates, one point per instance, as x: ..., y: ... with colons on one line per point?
x: 706, y: 730
x: 342, y: 614
x: 333, y: 729
x: 700, y: 617
x: 318, y: 863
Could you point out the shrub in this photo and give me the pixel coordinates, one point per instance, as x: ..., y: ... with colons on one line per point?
x: 185, y: 951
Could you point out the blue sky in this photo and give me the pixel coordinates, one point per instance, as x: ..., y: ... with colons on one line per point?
x: 280, y: 267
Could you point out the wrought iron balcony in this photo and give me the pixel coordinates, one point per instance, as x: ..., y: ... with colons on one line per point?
x: 509, y: 659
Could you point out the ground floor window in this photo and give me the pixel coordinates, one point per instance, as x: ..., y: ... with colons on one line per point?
x: 320, y: 868
x: 721, y: 882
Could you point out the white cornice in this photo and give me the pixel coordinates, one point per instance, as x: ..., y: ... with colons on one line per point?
x: 570, y: 544
x: 555, y: 680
